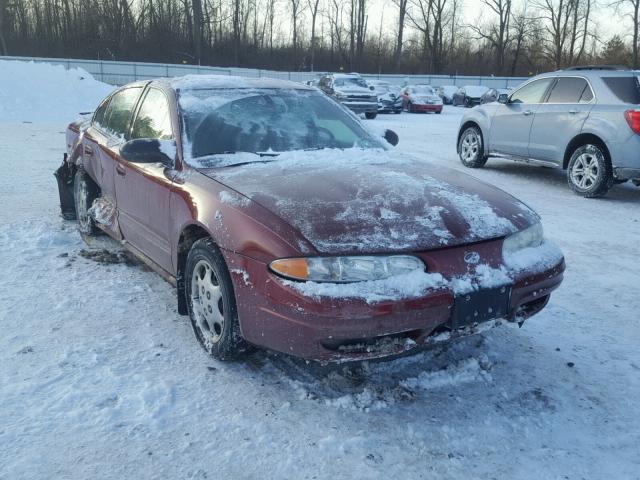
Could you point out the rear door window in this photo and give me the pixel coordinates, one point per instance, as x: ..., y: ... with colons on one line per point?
x: 570, y: 90
x: 532, y: 92
x: 625, y: 88
x: 118, y: 114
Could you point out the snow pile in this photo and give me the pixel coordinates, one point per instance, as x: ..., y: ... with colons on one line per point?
x: 41, y: 92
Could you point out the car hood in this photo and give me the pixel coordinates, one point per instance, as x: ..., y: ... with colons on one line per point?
x: 371, y: 201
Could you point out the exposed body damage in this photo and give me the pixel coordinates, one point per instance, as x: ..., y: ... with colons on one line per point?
x: 255, y: 209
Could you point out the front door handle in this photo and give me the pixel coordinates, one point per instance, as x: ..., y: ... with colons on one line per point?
x: 120, y: 170
x: 527, y: 112
x: 573, y: 112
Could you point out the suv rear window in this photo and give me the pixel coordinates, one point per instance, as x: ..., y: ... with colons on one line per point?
x: 625, y: 88
x: 570, y: 90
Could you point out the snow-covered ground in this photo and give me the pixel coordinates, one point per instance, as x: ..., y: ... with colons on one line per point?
x: 101, y: 378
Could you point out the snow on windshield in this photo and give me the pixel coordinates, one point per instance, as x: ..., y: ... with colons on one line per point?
x: 223, y: 122
x: 350, y: 82
x: 423, y: 89
x: 475, y: 90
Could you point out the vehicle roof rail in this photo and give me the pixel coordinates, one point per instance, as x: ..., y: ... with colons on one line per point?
x: 598, y: 67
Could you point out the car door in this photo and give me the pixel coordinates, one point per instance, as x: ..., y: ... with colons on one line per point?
x: 560, y: 118
x: 143, y: 190
x: 511, y: 122
x: 101, y: 141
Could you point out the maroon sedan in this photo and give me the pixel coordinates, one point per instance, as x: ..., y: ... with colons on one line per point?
x: 284, y: 224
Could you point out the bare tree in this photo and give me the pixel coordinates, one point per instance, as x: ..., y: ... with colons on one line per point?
x: 402, y: 13
x: 498, y: 33
x: 313, y: 7
x: 630, y: 9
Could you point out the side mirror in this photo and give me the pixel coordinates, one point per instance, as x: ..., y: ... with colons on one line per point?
x: 503, y: 98
x: 149, y: 150
x: 391, y: 137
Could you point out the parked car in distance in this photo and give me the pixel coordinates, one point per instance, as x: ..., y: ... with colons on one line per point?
x: 585, y: 120
x: 389, y: 99
x: 446, y: 93
x: 351, y: 90
x: 421, y: 98
x: 256, y: 199
x: 492, y: 94
x: 469, y: 95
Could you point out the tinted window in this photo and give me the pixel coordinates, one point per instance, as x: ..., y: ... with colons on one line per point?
x: 532, y: 92
x: 568, y: 90
x: 98, y: 116
x: 153, y: 119
x: 625, y: 88
x: 118, y: 114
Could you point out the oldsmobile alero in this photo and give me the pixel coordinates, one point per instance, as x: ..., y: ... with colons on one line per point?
x: 285, y: 224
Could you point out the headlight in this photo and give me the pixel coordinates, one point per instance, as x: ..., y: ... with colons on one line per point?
x: 346, y: 269
x: 527, y: 238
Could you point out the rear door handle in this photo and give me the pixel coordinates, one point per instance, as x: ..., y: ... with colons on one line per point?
x: 120, y: 170
x: 573, y: 112
x: 527, y: 112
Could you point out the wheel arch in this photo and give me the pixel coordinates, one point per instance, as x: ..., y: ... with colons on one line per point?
x: 580, y: 140
x: 463, y: 127
x: 188, y: 236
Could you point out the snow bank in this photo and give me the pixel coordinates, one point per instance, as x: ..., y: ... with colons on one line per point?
x: 42, y: 93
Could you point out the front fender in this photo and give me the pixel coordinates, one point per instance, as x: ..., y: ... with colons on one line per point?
x: 480, y: 116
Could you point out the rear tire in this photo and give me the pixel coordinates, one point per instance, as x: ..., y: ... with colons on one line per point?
x: 589, y: 173
x: 85, y: 191
x: 471, y: 148
x: 370, y: 115
x: 211, y: 302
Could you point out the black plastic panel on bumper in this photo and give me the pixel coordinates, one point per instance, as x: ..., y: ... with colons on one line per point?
x: 626, y: 173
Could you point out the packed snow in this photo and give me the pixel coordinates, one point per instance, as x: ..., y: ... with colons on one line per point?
x: 101, y: 378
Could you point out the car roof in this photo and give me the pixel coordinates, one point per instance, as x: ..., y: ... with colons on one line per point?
x: 207, y: 82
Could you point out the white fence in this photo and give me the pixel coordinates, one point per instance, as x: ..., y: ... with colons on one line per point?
x: 119, y: 73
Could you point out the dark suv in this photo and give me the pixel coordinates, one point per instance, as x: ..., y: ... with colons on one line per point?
x: 351, y: 90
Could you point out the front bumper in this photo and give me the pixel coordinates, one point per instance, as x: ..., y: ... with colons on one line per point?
x: 360, y: 107
x: 426, y: 107
x: 389, y: 106
x: 274, y: 315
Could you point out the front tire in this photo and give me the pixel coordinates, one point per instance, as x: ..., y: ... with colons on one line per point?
x: 370, y: 115
x: 85, y: 191
x: 211, y: 302
x: 589, y: 173
x: 471, y: 149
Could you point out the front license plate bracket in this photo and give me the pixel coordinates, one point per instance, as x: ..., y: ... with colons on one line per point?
x: 481, y: 306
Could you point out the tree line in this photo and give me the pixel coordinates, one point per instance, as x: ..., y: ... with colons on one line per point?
x: 508, y: 37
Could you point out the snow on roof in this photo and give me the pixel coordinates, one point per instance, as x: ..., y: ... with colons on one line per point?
x: 203, y: 82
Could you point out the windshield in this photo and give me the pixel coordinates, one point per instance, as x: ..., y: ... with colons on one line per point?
x: 476, y: 90
x: 350, y: 82
x: 424, y: 90
x: 265, y: 122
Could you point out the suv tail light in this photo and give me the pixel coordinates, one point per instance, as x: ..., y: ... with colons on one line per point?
x: 633, y: 119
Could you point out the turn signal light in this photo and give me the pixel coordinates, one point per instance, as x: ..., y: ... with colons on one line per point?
x: 296, y: 268
x: 633, y: 119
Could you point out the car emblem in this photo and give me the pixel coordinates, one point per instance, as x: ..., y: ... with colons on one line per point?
x: 471, y: 257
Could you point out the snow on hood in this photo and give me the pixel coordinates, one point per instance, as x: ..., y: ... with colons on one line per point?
x: 367, y: 201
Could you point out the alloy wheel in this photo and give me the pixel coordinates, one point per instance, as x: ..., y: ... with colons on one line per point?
x: 585, y: 171
x: 470, y: 146
x: 207, y: 304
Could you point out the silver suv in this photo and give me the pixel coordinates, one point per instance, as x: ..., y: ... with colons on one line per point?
x: 585, y: 120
